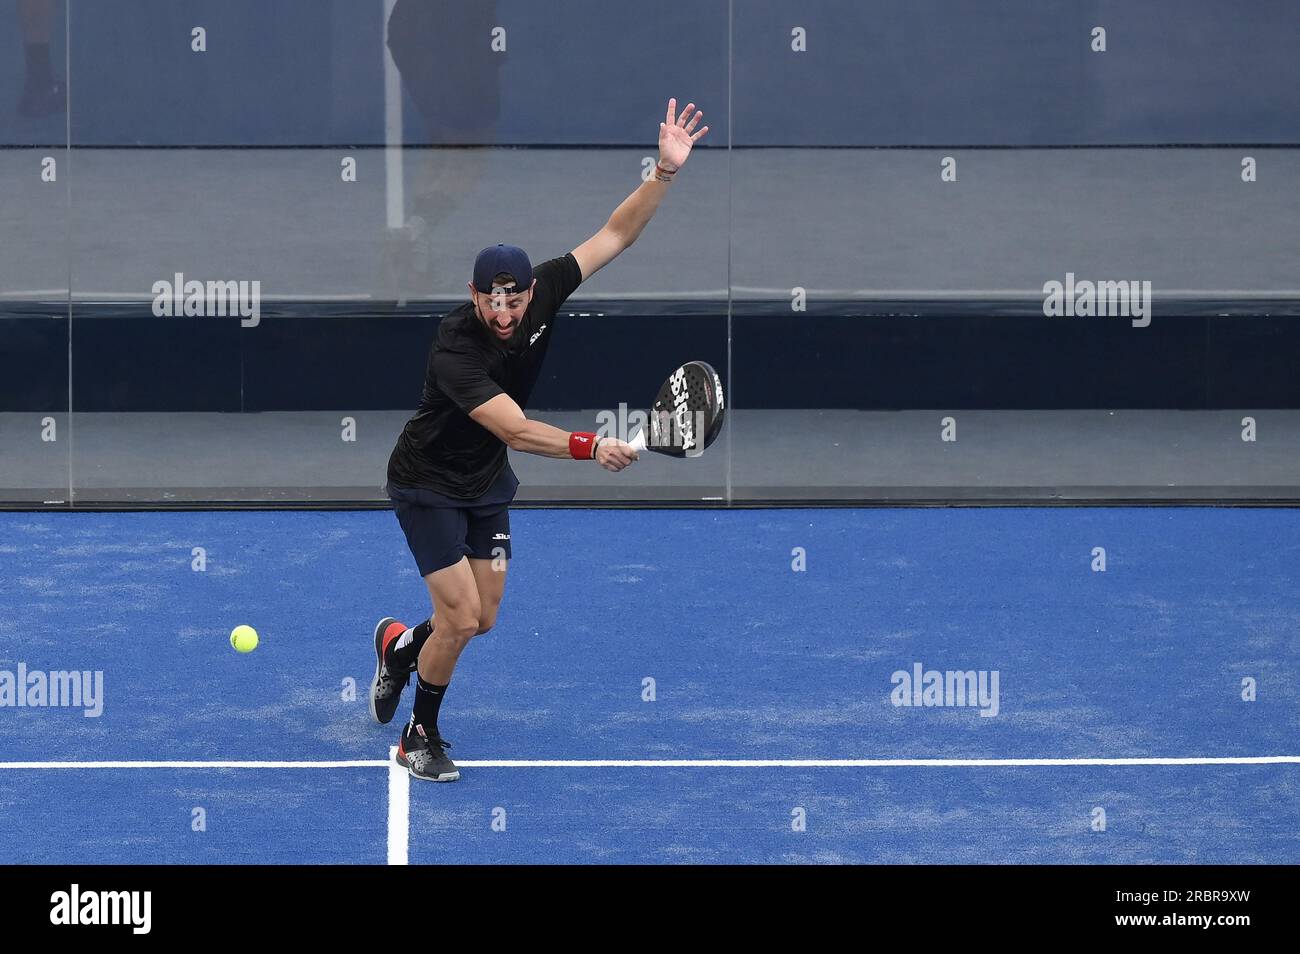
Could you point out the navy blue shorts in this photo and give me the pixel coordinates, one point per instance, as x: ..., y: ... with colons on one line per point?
x: 440, y: 530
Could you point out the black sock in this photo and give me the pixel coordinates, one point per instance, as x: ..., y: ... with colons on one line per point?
x: 428, y: 700
x: 404, y: 656
x: 39, y: 72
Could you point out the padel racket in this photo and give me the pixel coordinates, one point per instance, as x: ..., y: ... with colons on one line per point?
x: 687, y: 414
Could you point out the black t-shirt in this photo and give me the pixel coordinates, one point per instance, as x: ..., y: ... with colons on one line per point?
x: 441, y: 448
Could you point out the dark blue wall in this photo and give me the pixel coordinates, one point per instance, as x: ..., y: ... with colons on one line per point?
x: 590, y: 72
x: 127, y: 360
x: 1017, y: 72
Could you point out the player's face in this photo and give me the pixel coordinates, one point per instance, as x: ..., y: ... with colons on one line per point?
x: 501, y: 311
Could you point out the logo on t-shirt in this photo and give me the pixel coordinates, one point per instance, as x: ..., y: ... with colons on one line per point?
x: 536, y: 334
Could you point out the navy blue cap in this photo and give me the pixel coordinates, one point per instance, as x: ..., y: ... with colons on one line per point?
x: 499, y: 258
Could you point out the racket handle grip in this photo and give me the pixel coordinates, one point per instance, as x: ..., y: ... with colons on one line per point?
x: 638, y: 442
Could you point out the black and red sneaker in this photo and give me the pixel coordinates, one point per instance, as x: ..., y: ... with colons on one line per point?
x: 424, y: 756
x: 386, y: 689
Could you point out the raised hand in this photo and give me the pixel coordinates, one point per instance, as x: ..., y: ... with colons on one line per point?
x: 677, y: 135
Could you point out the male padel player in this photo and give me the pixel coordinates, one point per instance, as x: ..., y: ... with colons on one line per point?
x: 449, y: 477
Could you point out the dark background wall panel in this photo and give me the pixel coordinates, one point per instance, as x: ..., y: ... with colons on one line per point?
x: 34, y: 363
x: 886, y: 72
x: 294, y: 363
x: 155, y: 364
x: 132, y: 363
x: 966, y: 362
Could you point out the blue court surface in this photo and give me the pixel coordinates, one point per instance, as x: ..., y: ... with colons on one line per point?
x: 770, y: 731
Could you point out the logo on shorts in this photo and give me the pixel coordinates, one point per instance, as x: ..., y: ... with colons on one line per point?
x: 500, y: 536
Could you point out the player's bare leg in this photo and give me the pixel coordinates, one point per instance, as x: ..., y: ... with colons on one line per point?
x: 456, y: 611
x: 490, y: 579
x: 397, y: 647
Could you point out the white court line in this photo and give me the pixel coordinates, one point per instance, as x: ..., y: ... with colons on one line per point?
x: 682, y: 763
x: 399, y: 810
x: 348, y: 763
x: 872, y: 763
x: 399, y: 780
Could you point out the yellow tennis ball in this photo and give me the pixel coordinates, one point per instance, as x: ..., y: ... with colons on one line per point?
x: 243, y: 638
